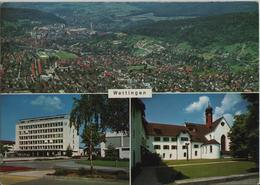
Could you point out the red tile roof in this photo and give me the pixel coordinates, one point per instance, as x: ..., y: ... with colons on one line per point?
x: 212, y: 141
x: 196, y: 131
x: 158, y: 129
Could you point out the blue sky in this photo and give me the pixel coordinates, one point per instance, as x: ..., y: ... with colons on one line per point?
x: 180, y: 108
x: 166, y: 108
x: 16, y: 107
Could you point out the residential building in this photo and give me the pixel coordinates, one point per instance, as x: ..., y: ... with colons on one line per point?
x: 46, y: 136
x: 119, y: 141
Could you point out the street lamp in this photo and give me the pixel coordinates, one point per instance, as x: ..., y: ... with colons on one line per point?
x: 187, y: 144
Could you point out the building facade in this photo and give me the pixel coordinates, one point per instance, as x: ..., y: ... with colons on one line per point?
x: 119, y: 141
x: 191, y: 140
x: 46, y: 136
x: 138, y: 132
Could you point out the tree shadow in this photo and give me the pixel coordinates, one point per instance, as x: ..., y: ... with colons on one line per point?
x: 164, y: 173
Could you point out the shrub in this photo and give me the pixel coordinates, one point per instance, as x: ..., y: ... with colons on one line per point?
x: 82, y: 171
x: 60, y: 172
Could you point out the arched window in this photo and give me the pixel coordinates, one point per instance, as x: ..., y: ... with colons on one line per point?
x: 223, y: 143
x: 210, y: 148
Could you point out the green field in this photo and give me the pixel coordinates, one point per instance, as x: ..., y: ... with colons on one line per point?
x: 179, y: 162
x: 219, y: 169
x: 65, y: 55
x: 183, y: 169
x: 120, y: 164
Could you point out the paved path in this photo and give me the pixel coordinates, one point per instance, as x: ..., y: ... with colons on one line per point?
x: 39, y: 178
x: 248, y: 181
x: 194, y: 164
x: 147, y: 177
x: 23, y: 176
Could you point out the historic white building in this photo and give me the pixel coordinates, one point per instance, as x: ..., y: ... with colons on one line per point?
x: 46, y: 136
x: 189, y: 141
x: 119, y: 141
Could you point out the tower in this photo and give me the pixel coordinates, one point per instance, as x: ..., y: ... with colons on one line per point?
x: 208, y: 114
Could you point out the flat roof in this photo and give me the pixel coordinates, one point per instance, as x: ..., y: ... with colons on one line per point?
x: 43, y: 118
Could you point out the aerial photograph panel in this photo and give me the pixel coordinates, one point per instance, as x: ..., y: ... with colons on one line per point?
x: 164, y: 46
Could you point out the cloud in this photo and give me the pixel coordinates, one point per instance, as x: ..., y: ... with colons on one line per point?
x: 239, y: 112
x: 198, y: 105
x: 230, y: 100
x: 229, y: 118
x: 227, y: 106
x: 48, y: 103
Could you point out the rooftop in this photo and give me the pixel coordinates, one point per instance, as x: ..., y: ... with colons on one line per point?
x: 43, y: 118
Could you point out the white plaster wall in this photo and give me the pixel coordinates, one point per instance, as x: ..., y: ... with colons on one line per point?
x: 196, y: 149
x: 206, y: 154
x: 170, y: 154
x: 222, y: 130
x: 180, y: 151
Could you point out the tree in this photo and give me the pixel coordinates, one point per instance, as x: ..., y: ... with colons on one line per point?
x: 115, y: 115
x: 100, y: 111
x: 92, y: 136
x: 69, y: 151
x: 112, y: 153
x: 244, y: 133
x: 3, y: 149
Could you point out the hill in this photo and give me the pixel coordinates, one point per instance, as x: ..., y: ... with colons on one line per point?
x: 169, y: 9
x: 202, y: 31
x: 14, y: 14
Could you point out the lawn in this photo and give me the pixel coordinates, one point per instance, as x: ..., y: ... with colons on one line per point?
x: 218, y: 169
x: 177, y: 162
x: 196, y: 169
x: 65, y: 55
x: 120, y: 164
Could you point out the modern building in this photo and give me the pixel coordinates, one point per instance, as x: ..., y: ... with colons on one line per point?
x: 46, y: 136
x: 119, y: 141
x: 191, y: 140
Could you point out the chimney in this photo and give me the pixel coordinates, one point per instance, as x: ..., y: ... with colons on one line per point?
x: 208, y: 114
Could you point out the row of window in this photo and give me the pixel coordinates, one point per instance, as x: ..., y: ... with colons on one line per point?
x: 173, y: 147
x: 41, y: 136
x: 43, y: 125
x: 205, y: 149
x: 41, y: 131
x: 166, y: 139
x: 171, y: 156
x: 41, y: 142
x: 41, y: 147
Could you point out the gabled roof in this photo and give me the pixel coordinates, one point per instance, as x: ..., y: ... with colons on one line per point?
x: 195, y: 130
x: 158, y: 129
x: 215, y: 123
x: 212, y: 141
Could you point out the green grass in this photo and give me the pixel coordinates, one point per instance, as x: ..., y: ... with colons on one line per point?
x: 211, y: 170
x: 65, y: 55
x: 120, y: 164
x: 177, y: 162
